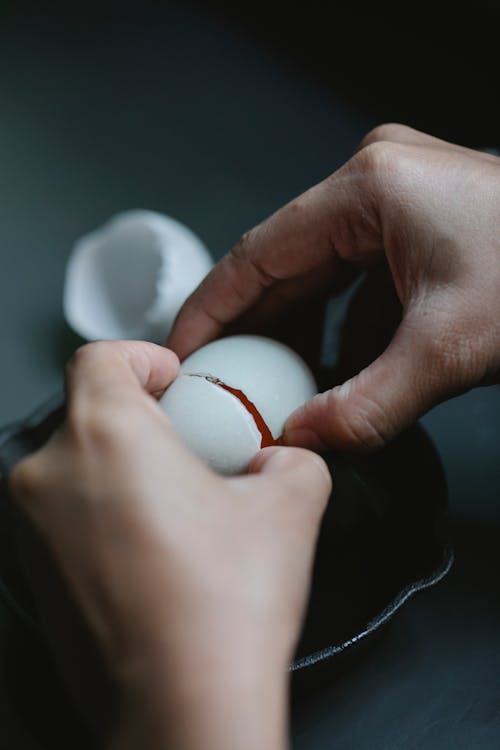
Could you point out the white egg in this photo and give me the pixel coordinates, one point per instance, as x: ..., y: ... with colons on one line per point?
x: 226, y: 429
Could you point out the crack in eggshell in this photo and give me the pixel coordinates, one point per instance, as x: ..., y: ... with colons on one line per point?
x: 267, y: 438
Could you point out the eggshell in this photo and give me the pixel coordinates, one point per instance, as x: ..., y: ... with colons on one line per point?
x: 213, y: 422
x: 129, y: 278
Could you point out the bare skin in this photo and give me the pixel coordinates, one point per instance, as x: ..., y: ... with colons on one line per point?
x: 433, y: 209
x: 218, y: 570
x: 192, y: 585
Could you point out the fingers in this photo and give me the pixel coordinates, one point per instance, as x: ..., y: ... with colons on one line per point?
x: 295, y: 471
x: 95, y: 375
x: 293, y: 244
x: 103, y: 367
x: 277, y: 300
x: 297, y: 249
x: 294, y: 252
x: 369, y: 410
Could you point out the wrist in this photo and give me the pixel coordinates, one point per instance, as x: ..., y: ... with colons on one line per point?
x: 222, y: 700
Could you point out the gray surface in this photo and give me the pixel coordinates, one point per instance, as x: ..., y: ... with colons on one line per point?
x: 180, y: 114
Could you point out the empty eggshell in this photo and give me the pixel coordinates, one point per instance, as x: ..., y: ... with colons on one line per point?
x: 220, y: 426
x: 129, y: 278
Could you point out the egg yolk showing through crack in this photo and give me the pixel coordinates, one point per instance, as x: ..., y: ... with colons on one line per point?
x: 265, y: 433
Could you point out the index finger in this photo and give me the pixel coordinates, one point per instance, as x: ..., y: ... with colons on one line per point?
x: 105, y: 367
x: 290, y: 244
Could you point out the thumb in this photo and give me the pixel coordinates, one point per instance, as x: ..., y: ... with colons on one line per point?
x: 371, y: 408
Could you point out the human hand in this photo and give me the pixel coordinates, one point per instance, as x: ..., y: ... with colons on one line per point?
x: 193, y: 586
x: 433, y: 209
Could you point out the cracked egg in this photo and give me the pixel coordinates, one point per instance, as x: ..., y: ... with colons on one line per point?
x: 233, y: 396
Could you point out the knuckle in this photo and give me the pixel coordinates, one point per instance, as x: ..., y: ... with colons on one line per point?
x: 245, y: 253
x: 83, y: 353
x: 388, y: 131
x: 366, y: 427
x: 86, y: 355
x: 19, y: 479
x: 378, y: 158
x: 387, y: 170
x: 363, y: 432
x: 297, y: 206
x: 243, y: 248
x: 23, y: 480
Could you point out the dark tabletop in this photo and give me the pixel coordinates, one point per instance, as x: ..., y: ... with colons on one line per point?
x: 217, y: 119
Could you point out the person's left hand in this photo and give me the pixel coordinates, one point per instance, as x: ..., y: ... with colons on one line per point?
x: 191, y: 583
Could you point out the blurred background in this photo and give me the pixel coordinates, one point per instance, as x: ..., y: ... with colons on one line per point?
x: 218, y: 114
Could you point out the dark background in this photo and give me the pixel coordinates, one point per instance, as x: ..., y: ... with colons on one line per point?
x: 217, y: 115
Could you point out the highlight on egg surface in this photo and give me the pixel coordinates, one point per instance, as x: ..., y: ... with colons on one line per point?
x: 233, y: 396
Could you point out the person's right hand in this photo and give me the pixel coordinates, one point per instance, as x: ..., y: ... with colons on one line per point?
x: 433, y: 208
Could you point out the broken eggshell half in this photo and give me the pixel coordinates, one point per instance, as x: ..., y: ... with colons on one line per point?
x: 129, y: 278
x: 233, y: 397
